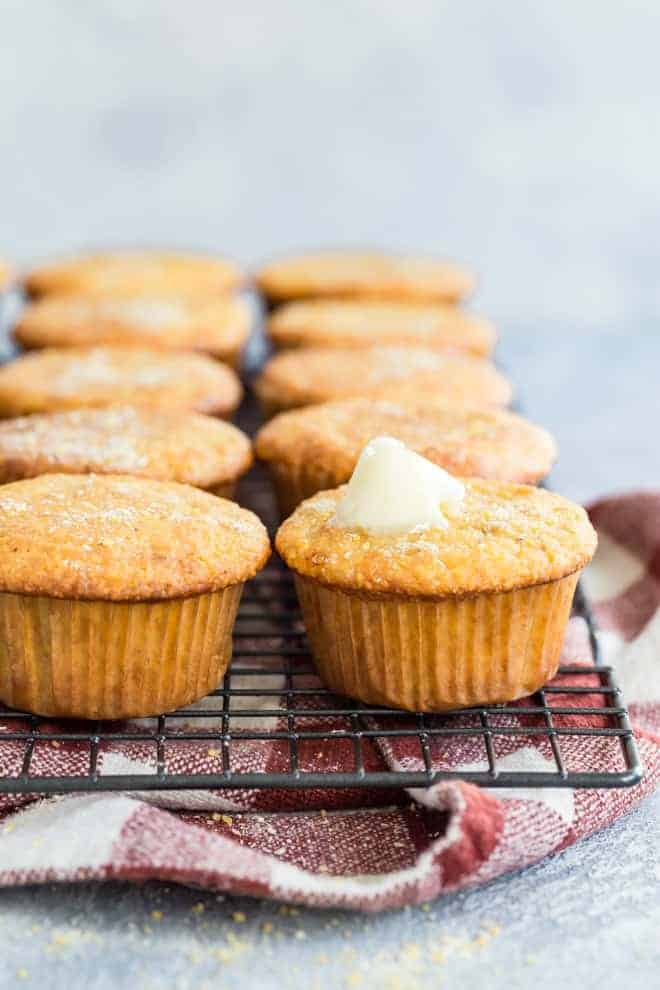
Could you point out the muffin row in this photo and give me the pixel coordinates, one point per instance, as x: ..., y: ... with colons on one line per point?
x: 190, y: 302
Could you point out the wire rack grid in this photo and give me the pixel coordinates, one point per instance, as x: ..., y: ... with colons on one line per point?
x: 270, y: 699
x: 271, y: 723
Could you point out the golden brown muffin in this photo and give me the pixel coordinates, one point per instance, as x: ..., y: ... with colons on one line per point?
x: 6, y: 275
x: 72, y: 378
x: 218, y: 326
x: 310, y: 449
x: 130, y: 273
x: 364, y: 275
x: 440, y: 618
x: 313, y: 374
x: 118, y: 595
x: 366, y: 322
x: 148, y: 443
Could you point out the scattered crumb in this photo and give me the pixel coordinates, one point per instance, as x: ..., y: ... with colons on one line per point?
x: 22, y: 974
x: 267, y: 927
x: 410, y: 952
x: 157, y: 915
x: 198, y: 908
x: 239, y: 917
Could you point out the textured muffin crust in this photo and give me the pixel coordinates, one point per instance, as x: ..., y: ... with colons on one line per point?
x: 167, y: 446
x: 366, y: 322
x: 364, y: 274
x: 58, y: 379
x: 500, y: 537
x: 118, y: 538
x: 132, y: 273
x: 328, y: 439
x: 313, y: 374
x: 219, y: 326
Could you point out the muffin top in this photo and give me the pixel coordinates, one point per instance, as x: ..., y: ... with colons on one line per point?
x: 500, y: 537
x: 118, y: 538
x: 313, y: 374
x: 364, y: 274
x: 70, y: 378
x: 365, y: 322
x: 133, y: 273
x: 217, y: 325
x: 466, y: 441
x: 167, y: 446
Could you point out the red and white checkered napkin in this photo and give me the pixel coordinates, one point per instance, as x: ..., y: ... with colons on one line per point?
x: 363, y: 849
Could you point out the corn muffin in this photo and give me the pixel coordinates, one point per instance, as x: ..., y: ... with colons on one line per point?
x: 148, y: 443
x: 364, y: 275
x: 215, y: 325
x: 6, y: 275
x: 118, y: 594
x: 311, y: 449
x: 467, y: 610
x: 71, y: 378
x: 367, y: 322
x: 130, y: 273
x: 309, y: 375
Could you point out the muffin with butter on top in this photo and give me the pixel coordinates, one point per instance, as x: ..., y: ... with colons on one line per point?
x: 425, y: 592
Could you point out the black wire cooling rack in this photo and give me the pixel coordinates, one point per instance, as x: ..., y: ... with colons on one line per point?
x: 271, y: 724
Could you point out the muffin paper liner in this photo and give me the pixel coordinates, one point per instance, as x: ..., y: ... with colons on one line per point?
x: 436, y: 655
x: 109, y: 660
x: 227, y: 489
x: 293, y: 483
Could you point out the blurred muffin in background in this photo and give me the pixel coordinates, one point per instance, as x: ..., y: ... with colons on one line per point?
x: 130, y: 273
x: 7, y: 275
x: 78, y: 377
x: 309, y: 375
x: 317, y: 448
x: 368, y: 322
x: 148, y: 443
x: 363, y: 275
x: 216, y: 325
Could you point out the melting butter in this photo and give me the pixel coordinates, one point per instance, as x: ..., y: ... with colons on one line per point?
x: 394, y: 490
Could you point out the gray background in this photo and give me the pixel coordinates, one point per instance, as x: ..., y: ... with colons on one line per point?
x: 521, y: 137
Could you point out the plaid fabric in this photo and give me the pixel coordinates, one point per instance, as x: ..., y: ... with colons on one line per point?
x: 364, y: 849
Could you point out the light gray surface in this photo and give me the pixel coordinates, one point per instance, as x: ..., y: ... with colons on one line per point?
x: 521, y: 137
x: 588, y: 918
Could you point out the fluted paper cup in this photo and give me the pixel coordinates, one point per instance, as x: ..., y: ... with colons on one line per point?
x: 227, y: 489
x: 111, y: 660
x: 293, y: 483
x: 436, y: 655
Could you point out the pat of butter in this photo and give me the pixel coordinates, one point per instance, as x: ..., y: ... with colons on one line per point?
x: 394, y: 490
